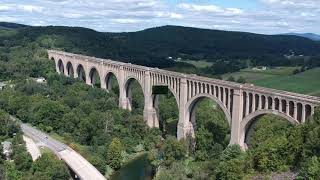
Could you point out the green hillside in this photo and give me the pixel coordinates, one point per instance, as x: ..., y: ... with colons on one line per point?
x: 282, y: 78
x: 307, y: 82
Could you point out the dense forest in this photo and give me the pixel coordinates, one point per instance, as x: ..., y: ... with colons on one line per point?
x: 88, y: 118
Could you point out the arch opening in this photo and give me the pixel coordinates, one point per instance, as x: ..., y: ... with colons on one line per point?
x: 210, y: 123
x: 167, y: 112
x: 94, y: 78
x: 60, y: 66
x: 284, y: 106
x: 134, y: 95
x: 81, y: 73
x: 258, y: 129
x: 112, y: 84
x: 308, y: 111
x: 70, y: 71
x: 250, y: 121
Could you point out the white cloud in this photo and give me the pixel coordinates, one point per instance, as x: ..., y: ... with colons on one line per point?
x: 8, y: 19
x: 125, y: 21
x: 270, y: 16
x: 305, y: 4
x: 30, y: 8
x: 169, y: 15
x: 210, y: 9
x: 4, y: 7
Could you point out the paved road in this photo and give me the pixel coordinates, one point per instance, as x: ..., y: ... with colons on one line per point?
x: 75, y: 161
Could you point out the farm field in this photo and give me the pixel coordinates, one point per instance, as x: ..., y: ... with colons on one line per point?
x: 253, y: 75
x: 199, y: 64
x: 306, y: 82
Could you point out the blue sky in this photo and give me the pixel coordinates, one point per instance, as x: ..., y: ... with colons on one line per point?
x: 259, y: 16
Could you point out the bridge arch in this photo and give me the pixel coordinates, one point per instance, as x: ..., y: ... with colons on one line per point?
x: 166, y: 119
x: 249, y: 120
x: 94, y: 77
x: 60, y: 66
x: 192, y: 106
x: 70, y: 70
x: 108, y: 80
x: 81, y: 73
x: 128, y: 86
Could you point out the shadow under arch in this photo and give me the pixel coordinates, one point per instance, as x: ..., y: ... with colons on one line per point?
x: 94, y: 77
x: 60, y: 66
x: 249, y: 121
x: 109, y: 79
x: 166, y: 107
x: 81, y: 73
x: 192, y: 107
x: 70, y: 70
x: 131, y: 84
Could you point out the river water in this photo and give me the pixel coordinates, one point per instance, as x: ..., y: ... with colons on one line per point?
x: 137, y: 169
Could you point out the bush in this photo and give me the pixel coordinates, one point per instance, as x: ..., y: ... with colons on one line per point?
x: 310, y: 169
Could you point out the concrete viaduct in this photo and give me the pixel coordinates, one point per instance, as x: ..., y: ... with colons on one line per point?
x: 241, y: 103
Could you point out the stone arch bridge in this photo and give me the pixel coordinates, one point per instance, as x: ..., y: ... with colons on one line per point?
x: 241, y: 103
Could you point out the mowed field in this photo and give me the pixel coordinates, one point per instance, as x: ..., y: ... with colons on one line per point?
x: 307, y: 82
x: 199, y: 64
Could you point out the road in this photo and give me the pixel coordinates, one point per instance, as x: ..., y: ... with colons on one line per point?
x: 74, y: 160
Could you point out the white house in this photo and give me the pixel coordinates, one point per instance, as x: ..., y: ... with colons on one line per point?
x: 40, y: 80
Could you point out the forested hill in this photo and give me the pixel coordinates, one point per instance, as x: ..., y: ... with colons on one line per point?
x: 11, y: 25
x: 152, y: 46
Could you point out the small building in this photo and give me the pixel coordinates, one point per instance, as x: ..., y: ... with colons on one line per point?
x: 262, y: 68
x: 40, y: 80
x: 2, y: 85
x: 7, y: 149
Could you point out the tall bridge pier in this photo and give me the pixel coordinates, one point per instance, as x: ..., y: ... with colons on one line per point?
x: 241, y: 103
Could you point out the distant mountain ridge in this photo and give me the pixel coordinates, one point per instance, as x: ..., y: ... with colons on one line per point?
x: 12, y: 25
x: 153, y: 46
x: 312, y: 36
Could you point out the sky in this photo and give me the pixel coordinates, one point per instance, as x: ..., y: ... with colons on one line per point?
x: 258, y: 16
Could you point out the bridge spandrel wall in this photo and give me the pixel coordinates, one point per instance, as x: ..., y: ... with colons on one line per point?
x: 241, y: 103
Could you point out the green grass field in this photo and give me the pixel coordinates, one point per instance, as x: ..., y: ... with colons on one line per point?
x: 306, y: 83
x: 7, y: 32
x: 199, y: 64
x: 253, y: 75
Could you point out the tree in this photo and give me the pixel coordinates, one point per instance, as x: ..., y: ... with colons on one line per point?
x: 231, y: 165
x: 310, y: 169
x: 231, y: 78
x: 22, y: 158
x: 173, y: 150
x: 241, y: 79
x: 296, y: 71
x: 49, y: 167
x: 114, y: 157
x: 230, y: 170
